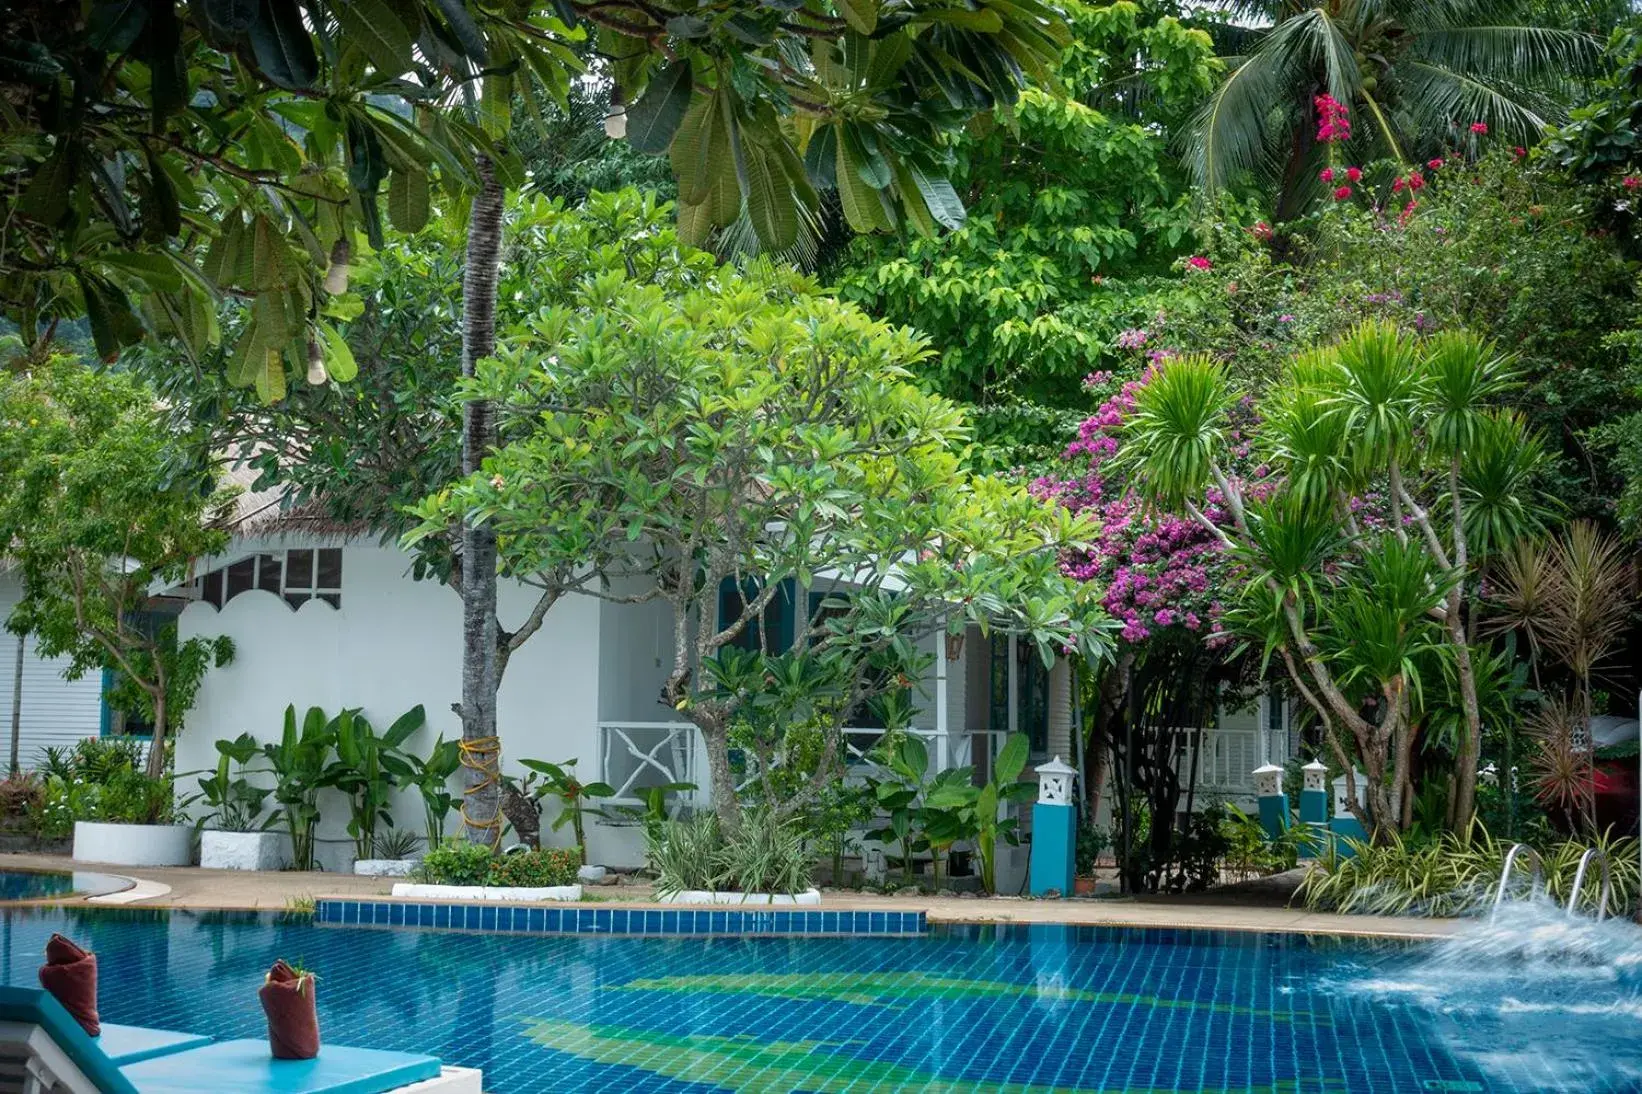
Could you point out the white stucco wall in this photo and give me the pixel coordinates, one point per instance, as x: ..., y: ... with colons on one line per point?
x: 55, y: 711
x: 392, y: 644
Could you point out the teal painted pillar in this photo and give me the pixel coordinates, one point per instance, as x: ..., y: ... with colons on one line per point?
x: 1274, y: 804
x: 1314, y: 803
x: 1054, y: 831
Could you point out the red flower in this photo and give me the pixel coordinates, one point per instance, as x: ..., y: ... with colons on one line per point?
x: 1519, y: 152
x: 1435, y: 165
x: 1408, y: 211
x: 1632, y: 182
x: 1354, y: 173
x: 1479, y: 127
x: 1397, y: 187
x: 1326, y: 174
x: 1261, y: 231
x: 1415, y: 180
x: 1342, y: 193
x: 1333, y: 120
x: 1198, y: 262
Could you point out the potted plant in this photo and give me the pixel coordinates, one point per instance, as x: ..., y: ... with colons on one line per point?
x: 1091, y: 842
x: 764, y: 861
x: 392, y: 855
x: 369, y: 768
x: 122, y: 815
x: 235, y: 832
x: 460, y: 870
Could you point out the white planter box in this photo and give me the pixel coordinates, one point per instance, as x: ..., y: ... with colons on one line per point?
x: 244, y: 850
x: 703, y: 896
x: 134, y: 844
x: 385, y: 867
x: 511, y: 893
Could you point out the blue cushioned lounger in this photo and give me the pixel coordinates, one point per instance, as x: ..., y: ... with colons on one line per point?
x: 129, y: 1044
x: 134, y: 1060
x: 246, y: 1068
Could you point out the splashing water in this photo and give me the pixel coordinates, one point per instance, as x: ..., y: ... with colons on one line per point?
x: 1535, y: 998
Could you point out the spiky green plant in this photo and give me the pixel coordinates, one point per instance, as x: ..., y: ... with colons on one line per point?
x: 1178, y: 429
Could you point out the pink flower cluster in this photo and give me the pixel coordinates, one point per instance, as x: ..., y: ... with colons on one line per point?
x: 1333, y: 119
x: 1198, y: 262
x: 1159, y: 570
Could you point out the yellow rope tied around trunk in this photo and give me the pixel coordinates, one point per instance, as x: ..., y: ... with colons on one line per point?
x: 482, y: 754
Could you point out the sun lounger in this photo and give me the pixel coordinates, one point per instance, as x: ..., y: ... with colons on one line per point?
x: 44, y: 1051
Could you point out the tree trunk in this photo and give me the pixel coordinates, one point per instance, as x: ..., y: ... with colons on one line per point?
x: 156, y: 746
x: 722, y: 780
x: 481, y: 746
x: 17, y: 702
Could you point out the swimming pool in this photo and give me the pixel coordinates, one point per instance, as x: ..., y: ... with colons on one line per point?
x: 44, y: 884
x: 1020, y: 1010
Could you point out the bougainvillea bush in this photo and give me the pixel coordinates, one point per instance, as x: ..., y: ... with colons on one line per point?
x: 1159, y: 570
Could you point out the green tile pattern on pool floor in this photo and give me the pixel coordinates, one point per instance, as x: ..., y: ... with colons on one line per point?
x: 1023, y: 1010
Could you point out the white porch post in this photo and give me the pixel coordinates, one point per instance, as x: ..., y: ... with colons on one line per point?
x: 944, y: 746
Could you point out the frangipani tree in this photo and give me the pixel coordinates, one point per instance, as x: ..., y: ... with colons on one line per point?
x: 1392, y: 477
x: 754, y: 454
x: 96, y: 513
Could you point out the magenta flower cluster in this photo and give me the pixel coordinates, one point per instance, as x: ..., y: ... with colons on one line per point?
x: 1159, y: 570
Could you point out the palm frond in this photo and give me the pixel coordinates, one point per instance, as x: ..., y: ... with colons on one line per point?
x: 1518, y: 54
x: 1441, y: 100
x: 1230, y: 133
x: 1463, y: 371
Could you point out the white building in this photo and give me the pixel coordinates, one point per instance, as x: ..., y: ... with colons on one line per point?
x: 330, y: 617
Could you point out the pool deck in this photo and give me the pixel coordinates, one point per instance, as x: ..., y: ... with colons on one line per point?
x: 1259, y: 906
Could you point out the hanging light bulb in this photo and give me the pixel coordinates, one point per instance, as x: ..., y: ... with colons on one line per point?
x: 615, y: 122
x: 316, y: 363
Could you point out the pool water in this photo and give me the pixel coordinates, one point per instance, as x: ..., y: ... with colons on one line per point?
x: 44, y: 885
x: 1015, y: 1010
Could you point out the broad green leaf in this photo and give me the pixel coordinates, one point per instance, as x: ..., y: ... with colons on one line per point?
x: 114, y: 25
x: 769, y: 199
x: 943, y: 201
x: 466, y: 30
x: 408, y: 200
x: 861, y: 15
x: 281, y: 45
x: 1012, y: 758
x: 339, y: 359
x: 379, y: 32
x: 156, y: 271
x: 654, y: 118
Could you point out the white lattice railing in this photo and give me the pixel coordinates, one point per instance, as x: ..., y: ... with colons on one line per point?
x: 634, y: 756
x: 1227, y: 763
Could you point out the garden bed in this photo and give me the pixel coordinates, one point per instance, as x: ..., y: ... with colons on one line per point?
x: 514, y: 894
x: 715, y: 896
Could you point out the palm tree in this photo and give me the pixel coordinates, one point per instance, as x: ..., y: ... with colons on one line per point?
x: 1414, y: 76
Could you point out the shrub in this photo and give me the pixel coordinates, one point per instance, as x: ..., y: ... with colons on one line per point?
x: 20, y: 795
x: 765, y: 855
x: 456, y: 862
x: 538, y: 868
x: 1451, y: 876
x: 682, y: 853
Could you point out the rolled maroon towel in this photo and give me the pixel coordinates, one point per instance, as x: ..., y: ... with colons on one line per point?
x: 70, y: 974
x: 293, y: 1018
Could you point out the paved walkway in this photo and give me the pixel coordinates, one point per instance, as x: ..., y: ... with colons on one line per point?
x: 1258, y: 906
